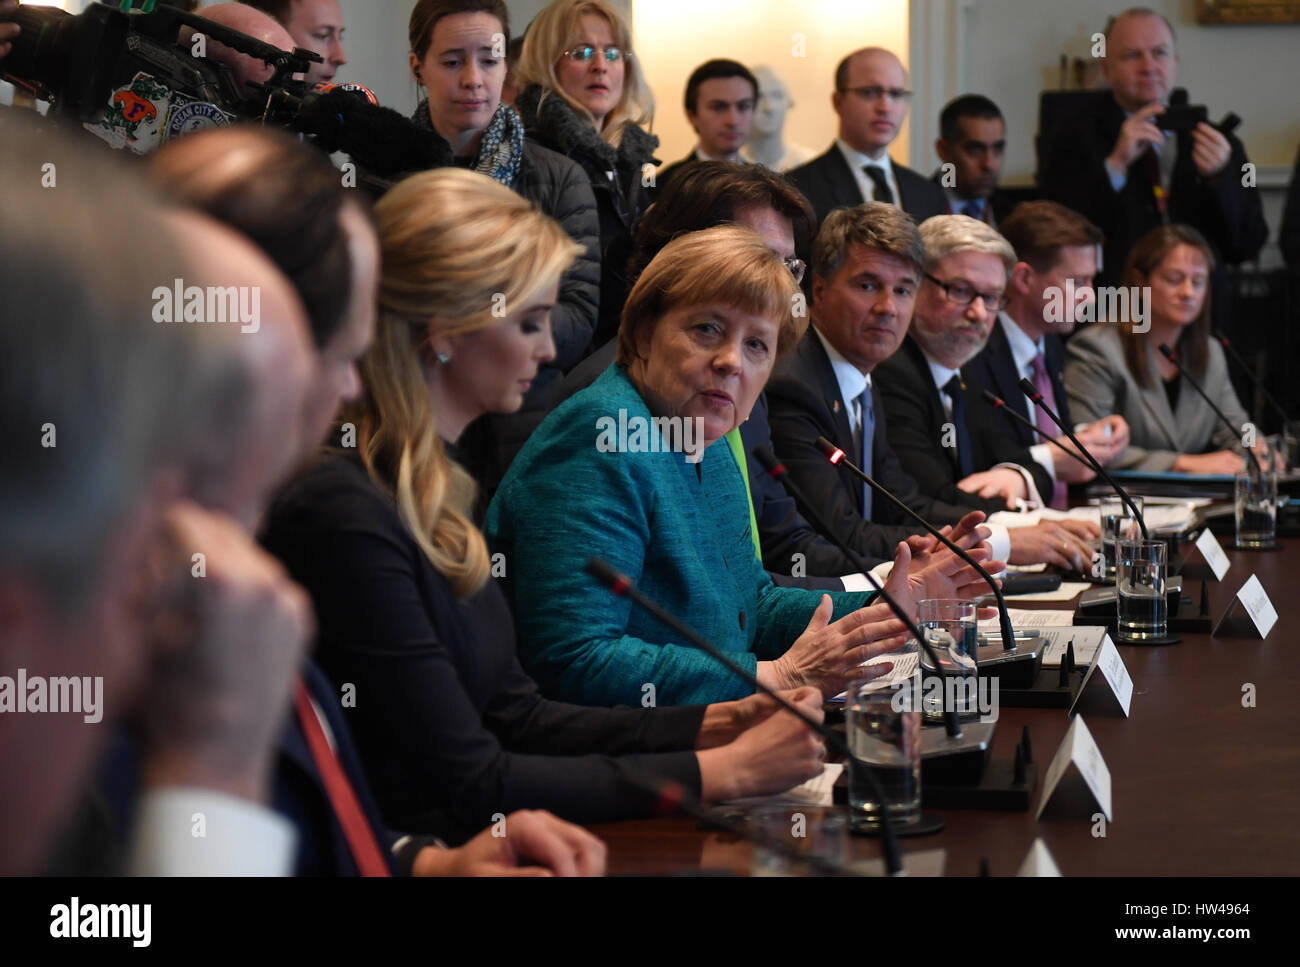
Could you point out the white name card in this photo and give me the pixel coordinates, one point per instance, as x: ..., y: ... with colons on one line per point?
x: 1109, y: 671
x: 1255, y: 600
x: 1079, y: 750
x: 1212, y: 551
x: 1038, y: 861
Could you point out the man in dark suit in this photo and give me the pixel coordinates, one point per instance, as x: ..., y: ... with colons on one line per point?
x: 867, y: 265
x: 720, y: 99
x: 1116, y: 167
x: 971, y: 144
x: 871, y: 100
x: 1056, y: 259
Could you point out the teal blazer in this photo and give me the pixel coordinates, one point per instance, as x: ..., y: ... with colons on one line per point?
x: 680, y: 530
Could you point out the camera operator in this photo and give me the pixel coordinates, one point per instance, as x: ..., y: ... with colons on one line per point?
x: 248, y: 20
x: 1116, y: 167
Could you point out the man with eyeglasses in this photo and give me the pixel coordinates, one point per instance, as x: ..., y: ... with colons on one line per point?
x: 868, y: 265
x: 870, y: 98
x: 936, y: 422
x: 720, y: 99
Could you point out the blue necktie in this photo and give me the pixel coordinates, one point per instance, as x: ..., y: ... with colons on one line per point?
x: 953, y: 389
x: 863, y: 434
x: 974, y: 208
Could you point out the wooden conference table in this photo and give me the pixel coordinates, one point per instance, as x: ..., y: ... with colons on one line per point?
x: 1200, y: 784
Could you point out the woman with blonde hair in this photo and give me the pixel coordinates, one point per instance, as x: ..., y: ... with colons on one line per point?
x: 584, y: 95
x: 412, y: 622
x: 634, y: 469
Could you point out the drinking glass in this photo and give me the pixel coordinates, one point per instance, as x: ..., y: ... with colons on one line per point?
x: 1256, y: 507
x: 884, y: 735
x: 810, y: 830
x: 1140, y: 590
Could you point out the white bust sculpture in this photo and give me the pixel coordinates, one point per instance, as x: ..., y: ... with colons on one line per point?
x: 766, y: 146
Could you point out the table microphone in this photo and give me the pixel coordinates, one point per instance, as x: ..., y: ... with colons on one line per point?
x: 777, y: 471
x: 623, y: 586
x: 1254, y: 379
x: 1172, y: 356
x: 998, y: 403
x: 836, y: 456
x: 1037, y: 398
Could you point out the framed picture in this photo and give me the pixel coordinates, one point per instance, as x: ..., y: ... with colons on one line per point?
x: 1246, y: 12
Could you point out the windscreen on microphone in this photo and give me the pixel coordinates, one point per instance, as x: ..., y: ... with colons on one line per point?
x: 1168, y: 353
x: 1030, y: 390
x: 606, y: 574
x: 764, y: 455
x: 832, y: 453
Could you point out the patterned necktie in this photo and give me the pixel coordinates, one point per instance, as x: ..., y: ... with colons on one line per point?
x: 1149, y: 165
x: 863, y: 434
x: 882, y: 190
x: 953, y: 389
x: 1043, y: 421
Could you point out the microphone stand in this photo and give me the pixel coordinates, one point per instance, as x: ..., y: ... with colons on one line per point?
x: 623, y: 586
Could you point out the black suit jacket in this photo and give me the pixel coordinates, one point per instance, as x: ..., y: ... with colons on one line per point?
x: 1072, y: 172
x: 1000, y: 203
x: 782, y: 530
x: 1289, y: 234
x: 995, y: 369
x: 829, y: 184
x: 668, y: 172
x: 916, y: 431
x: 299, y: 793
x: 805, y: 403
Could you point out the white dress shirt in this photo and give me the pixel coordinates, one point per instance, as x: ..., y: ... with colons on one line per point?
x: 239, y: 837
x: 857, y: 161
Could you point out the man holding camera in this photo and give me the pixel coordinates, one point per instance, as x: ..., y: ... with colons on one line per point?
x: 1117, y: 167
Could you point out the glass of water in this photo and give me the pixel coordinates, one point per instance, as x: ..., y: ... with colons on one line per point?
x: 956, y: 650
x: 884, y: 735
x: 1117, y: 523
x: 1140, y: 590
x: 811, y: 831
x: 1256, y: 506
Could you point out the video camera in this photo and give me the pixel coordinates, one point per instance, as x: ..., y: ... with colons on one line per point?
x: 123, y: 74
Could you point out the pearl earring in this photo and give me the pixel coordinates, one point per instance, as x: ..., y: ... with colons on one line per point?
x: 444, y: 358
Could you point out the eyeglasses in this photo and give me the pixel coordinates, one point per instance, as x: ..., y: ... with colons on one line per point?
x: 959, y: 293
x: 895, y: 94
x: 797, y: 268
x: 586, y: 52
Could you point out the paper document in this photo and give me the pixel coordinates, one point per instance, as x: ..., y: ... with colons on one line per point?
x: 904, y: 669
x: 1026, y: 618
x: 817, y: 791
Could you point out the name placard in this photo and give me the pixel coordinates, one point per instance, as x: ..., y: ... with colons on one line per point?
x: 1112, y: 679
x: 1079, y: 750
x: 1254, y: 600
x: 1212, y: 551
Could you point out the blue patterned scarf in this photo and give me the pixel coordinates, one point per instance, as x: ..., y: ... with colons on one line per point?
x: 501, y: 149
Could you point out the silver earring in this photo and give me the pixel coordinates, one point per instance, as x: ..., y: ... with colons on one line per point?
x: 444, y: 358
